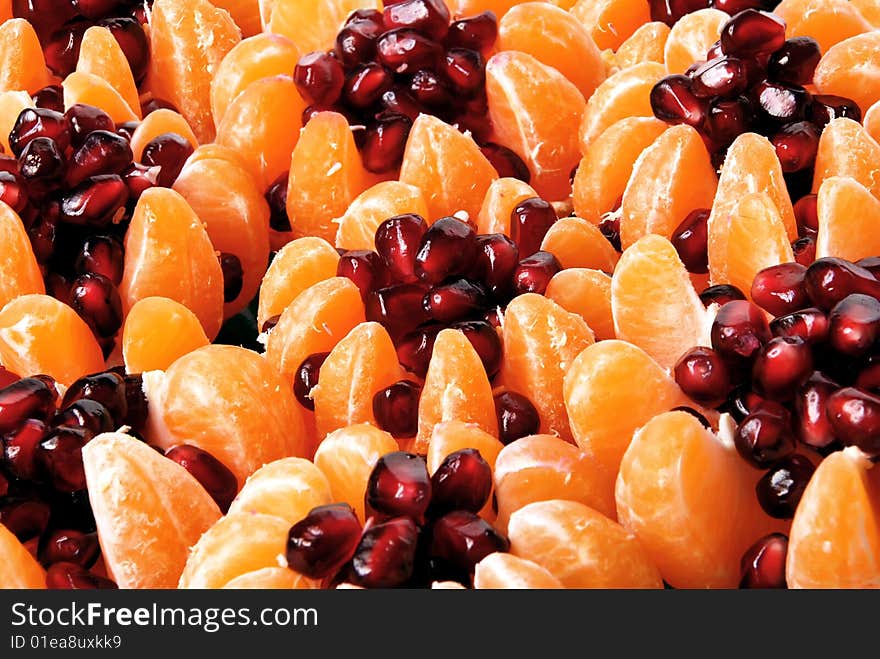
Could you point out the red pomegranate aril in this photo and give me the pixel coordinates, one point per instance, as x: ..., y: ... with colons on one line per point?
x: 70, y: 576
x: 721, y: 294
x: 430, y: 90
x: 462, y: 539
x: 505, y: 162
x: 796, y: 145
x: 455, y: 300
x: 399, y: 485
x: 764, y: 436
x: 465, y: 69
x: 108, y: 388
x: 30, y: 397
x: 463, y: 481
x: 780, y: 289
x: 366, y: 85
x: 384, y: 142
x: 780, y: 489
x: 855, y: 418
x: 101, y: 152
x: 356, y: 41
x: 476, y: 32
x: 85, y: 413
x: 673, y: 100
x: 50, y: 97
x: 870, y: 263
x: 323, y: 541
x: 97, y: 201
x: 810, y: 324
x: 811, y: 424
x: 25, y: 518
x: 7, y: 377
x: 20, y: 446
x: 399, y: 101
x: 778, y: 104
x: 430, y: 17
x: 41, y: 161
x: 126, y: 129
x: 533, y: 273
x: 669, y: 11
x: 854, y: 324
x: 752, y: 32
x: 319, y: 78
x: 795, y: 62
x: 97, y: 301
x: 306, y: 377
x: 32, y: 123
x: 363, y: 267
x: 13, y: 192
x: 42, y: 236
x: 448, y: 248
x: 726, y: 120
x: 60, y: 455
x: 724, y: 77
x: 529, y: 222
x: 826, y: 107
x: 168, y: 151
x: 233, y: 276
x: 153, y: 104
x: 610, y: 228
x: 496, y: 262
x: 804, y: 250
x: 782, y: 365
x: 517, y: 416
x: 691, y: 241
x: 869, y: 376
x: 396, y: 408
x: 414, y: 349
x: 732, y: 7
x: 137, y: 407
x: 397, y: 242
x: 61, y: 48
x: 70, y: 546
x: 95, y: 9
x: 102, y: 255
x: 399, y: 308
x: 386, y: 554
x: 139, y: 178
x: 133, y: 41
x: 739, y: 330
x: 84, y: 119
x: 806, y: 214
x: 404, y: 50
x: 742, y: 401
x: 831, y: 279
x: 212, y: 474
x: 702, y: 374
x: 484, y: 340
x: 763, y: 564
x: 276, y: 197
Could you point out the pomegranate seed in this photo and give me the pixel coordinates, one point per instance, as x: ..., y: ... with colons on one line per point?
x: 853, y: 324
x: 752, y: 32
x: 306, y: 378
x: 13, y: 192
x: 855, y: 418
x: 101, y: 152
x: 456, y: 300
x: 517, y: 416
x: 399, y: 101
x: 97, y: 201
x: 95, y: 9
x: 384, y: 143
x: 50, y: 97
x: 429, y: 89
x: 108, y: 388
x: 780, y: 489
x: 88, y: 414
x: 414, y: 350
x: 465, y: 69
x: 826, y: 107
x: 726, y: 120
x: 476, y: 32
x: 97, y: 301
x: 796, y: 146
x: 496, y: 262
x: 168, y: 151
x: 30, y: 397
x: 831, y: 279
x: 397, y: 241
x: 485, y: 341
x: 61, y: 48
x: 32, y: 123
x: 139, y: 178
x: 795, y: 62
x: 212, y: 474
x: 84, y: 119
x: 463, y: 481
x: 323, y: 541
x: 763, y: 564
x: 732, y: 7
x: 429, y: 17
x: 669, y: 11
x: 319, y: 78
x: 133, y: 41
x: 533, y: 274
x: 43, y: 234
x: 70, y: 546
x: 691, y: 241
x: 870, y: 263
x: 702, y: 374
x: 399, y: 308
x: 233, y: 276
x: 396, y: 409
x: 506, y: 162
x: 399, y: 485
x: 7, y: 377
x: 276, y: 197
x: 386, y: 554
x: 136, y: 402
x: 529, y: 222
x: 721, y: 294
x: 26, y: 519
x: 356, y: 41
x: 780, y: 289
x: 724, y: 77
x: 157, y: 104
x: 60, y: 455
x: 810, y: 324
x: 462, y: 539
x: 41, y: 161
x: 674, y: 101
x: 739, y: 330
x: 20, y: 446
x: 102, y: 255
x: 742, y: 401
x: 778, y: 103
x: 364, y: 268
x: 806, y: 215
x: 70, y: 576
x: 782, y: 365
x: 811, y: 425
x: 405, y: 50
x: 448, y: 248
x: 764, y: 436
x: 610, y: 228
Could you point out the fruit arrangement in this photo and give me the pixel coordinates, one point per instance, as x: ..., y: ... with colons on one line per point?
x: 426, y: 294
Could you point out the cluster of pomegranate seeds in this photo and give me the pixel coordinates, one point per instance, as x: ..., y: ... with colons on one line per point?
x: 669, y: 11
x: 419, y: 528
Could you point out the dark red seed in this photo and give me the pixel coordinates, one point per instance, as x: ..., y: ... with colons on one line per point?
x: 414, y: 350
x: 780, y: 489
x: 20, y: 447
x: 405, y: 50
x: 831, y: 279
x: 726, y: 120
x: 462, y: 539
x: 674, y: 101
x: 430, y: 17
x: 30, y: 397
x: 396, y: 409
x: 399, y: 308
x: 739, y: 330
x: 465, y: 70
x: 721, y: 294
x: 364, y: 268
x: 505, y: 162
x: 399, y: 101
x: 781, y: 367
x: 455, y: 300
x: 826, y: 107
x: 212, y: 474
x: 806, y: 215
x: 804, y: 250
x: 764, y: 436
x: 476, y: 32
x: 60, y: 456
x: 306, y: 378
x: 669, y: 11
x: 50, y: 97
x: 463, y: 481
x: 356, y: 41
x: 276, y: 197
x: 154, y: 104
x: 484, y: 339
x: 533, y: 273
x: 610, y: 228
x: 366, y: 85
x: 448, y: 248
x: 140, y: 178
x: 7, y: 377
x: 810, y: 324
x: 169, y: 151
x: 97, y: 201
x: 83, y: 119
x: 25, y: 518
x: 855, y: 418
x: 41, y: 161
x: 32, y: 123
x: 12, y: 192
x: 763, y: 564
x: 780, y: 289
x: 399, y: 484
x: 795, y: 62
x: 702, y: 374
x: 777, y: 103
x: 529, y: 222
x: 136, y: 402
x: 233, y: 276
x: 517, y: 416
x: 101, y: 152
x: 133, y: 41
x: 88, y: 414
x: 811, y: 425
x: 496, y: 262
x: 70, y: 546
x: 319, y: 78
x: 61, y: 48
x: 691, y: 241
x: 97, y: 301
x: 742, y: 401
x: 43, y: 234
x: 108, y: 388
x: 854, y: 324
x: 397, y: 242
x: 323, y: 541
x: 70, y: 576
x: 102, y: 255
x: 724, y: 77
x: 870, y: 263
x: 386, y: 554
x: 429, y: 89
x: 796, y: 146
x: 752, y: 32
x: 384, y: 142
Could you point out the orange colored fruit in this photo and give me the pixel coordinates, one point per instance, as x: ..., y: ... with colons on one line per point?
x: 848, y: 219
x: 19, y: 272
x: 312, y: 25
x: 101, y: 55
x: 90, y: 89
x: 157, y: 331
x: 501, y: 198
x: 691, y: 37
x: 23, y: 65
x: 871, y: 121
x: 357, y: 226
x: 287, y: 488
x: 18, y: 569
x: 869, y: 9
x: 851, y: 68
x: 579, y: 244
x: 245, y: 13
x: 499, y: 570
x: 644, y: 45
x: 846, y: 149
x: 827, y: 21
x: 272, y: 578
x: 611, y: 22
x: 11, y: 105
x: 586, y: 293
x: 157, y: 123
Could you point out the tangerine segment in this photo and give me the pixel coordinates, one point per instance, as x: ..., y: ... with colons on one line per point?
x: 90, y: 89
x: 363, y: 363
x: 266, y: 146
x: 149, y: 510
x: 245, y: 13
x: 624, y: 94
x: 611, y: 22
x: 608, y: 164
x: 357, y: 226
x: 695, y: 533
x: 464, y: 8
x: 298, y: 265
x: 827, y: 21
x: 312, y: 25
x: 555, y: 38
x: 586, y: 293
x: 835, y: 535
x: 869, y: 9
x: 691, y: 36
x: 499, y: 570
x: 188, y: 40
x: 851, y: 68
x: 22, y: 65
x: 40, y: 335
x: 849, y: 220
x: 18, y: 569
x: 871, y: 121
x: 168, y: 253
x: 846, y: 149
x: 11, y: 105
x: 541, y: 339
x: 101, y: 55
x: 605, y: 407
x: 456, y: 389
x: 580, y: 546
x: 236, y: 217
x: 19, y: 271
x: 646, y: 44
x: 184, y: 404
x: 347, y: 457
x: 501, y: 198
x: 157, y: 123
x: 213, y: 151
x: 577, y: 243
x: 654, y: 302
x: 326, y: 174
x: 157, y: 331
x: 238, y: 544
x: 544, y: 467
x: 287, y: 488
x: 272, y: 578
x: 533, y: 107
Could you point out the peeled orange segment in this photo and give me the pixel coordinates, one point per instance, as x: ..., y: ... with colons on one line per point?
x: 212, y: 151
x: 624, y: 94
x: 465, y: 8
x: 533, y: 108
x: 835, y: 535
x: 19, y: 271
x: 851, y: 68
x: 586, y: 293
x: 11, y: 105
x: 272, y: 578
x: 357, y: 226
x: 654, y: 303
x: 157, y: 331
x: 245, y: 13
x: 40, y: 335
x: 312, y: 25
x: 236, y: 217
x: 580, y: 546
x: 869, y: 9
x: 644, y: 45
x: 184, y: 408
x: 19, y: 569
x: 871, y: 121
x: 499, y: 570
x: 287, y: 488
x: 610, y: 22
x: 298, y: 265
x: 22, y: 65
x: 849, y: 220
x: 541, y: 339
x: 608, y: 163
x: 827, y: 21
x: 326, y: 174
x: 556, y: 38
x: 749, y: 239
x: 502, y: 197
x: 544, y: 467
x: 101, y: 55
x: 238, y: 544
x: 846, y: 149
x: 363, y: 363
x: 168, y: 253
x: 148, y: 509
x: 671, y: 178
x: 456, y: 389
x: 691, y: 37
x: 347, y: 456
x: 90, y: 89
x: 157, y: 123
x: 579, y: 244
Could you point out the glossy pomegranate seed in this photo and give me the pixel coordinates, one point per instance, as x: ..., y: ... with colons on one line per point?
x: 484, y: 339
x: 462, y: 539
x: 319, y: 78
x: 739, y: 330
x: 795, y: 62
x: 13, y: 192
x: 517, y: 416
x: 673, y: 100
x: 529, y: 222
x: 168, y: 151
x: 691, y: 241
x: 43, y: 235
x: 405, y: 50
x: 764, y: 436
x: 465, y: 69
x: 430, y: 17
x: 397, y: 242
x: 742, y: 401
x: 70, y: 576
x: 732, y: 7
x: 233, y: 276
x: 136, y: 402
x: 811, y: 425
x: 463, y: 481
x: 831, y: 279
x: 796, y: 145
x: 782, y: 366
x: 32, y: 123
x: 102, y: 255
x: 752, y: 32
x: 476, y: 32
x: 496, y: 262
x: 363, y: 267
x: 726, y: 120
x: 306, y: 377
x: 399, y: 308
x: 399, y: 101
x: 322, y: 542
x: 806, y: 214
x: 50, y: 97
x: 702, y: 374
x: 101, y: 152
x: 154, y: 104
x: 779, y: 104
x: 414, y: 350
x: 356, y: 41
x: 724, y: 77
x: 97, y: 301
x: 276, y: 197
x: 97, y: 201
x: 855, y: 418
x: 108, y: 388
x: 763, y: 564
x: 384, y: 142
x: 133, y: 41
x: 61, y: 47
x: 41, y: 161
x: 826, y: 107
x: 505, y: 162
x: 139, y: 178
x: 20, y: 446
x: 25, y: 518
x: 721, y: 294
x: 429, y: 89
x: 533, y: 273
x: 870, y: 263
x: 610, y: 228
x: 396, y: 408
x: 780, y: 489
x: 30, y: 397
x: 399, y: 485
x: 60, y: 455
x: 810, y: 324
x: 70, y: 546
x: 780, y: 289
x: 212, y: 474
x: 448, y: 248
x: 84, y: 119
x: 854, y: 324
x: 7, y: 377
x: 386, y: 554
x: 669, y: 11
x: 88, y: 414
x: 455, y: 300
